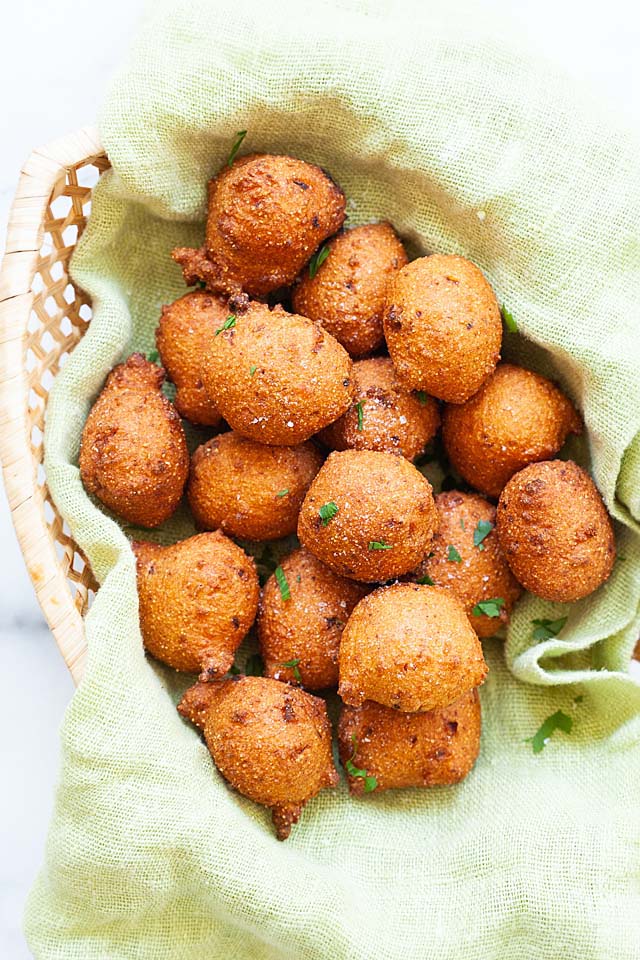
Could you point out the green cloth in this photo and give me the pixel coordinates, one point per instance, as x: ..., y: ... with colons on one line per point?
x: 468, y: 147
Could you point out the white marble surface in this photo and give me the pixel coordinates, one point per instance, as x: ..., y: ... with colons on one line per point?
x: 41, y: 99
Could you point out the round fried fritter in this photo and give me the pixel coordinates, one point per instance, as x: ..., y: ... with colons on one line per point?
x: 197, y: 601
x: 555, y: 531
x: 409, y: 647
x: 429, y: 749
x: 369, y: 516
x: 481, y: 573
x: 270, y: 741
x: 183, y: 334
x: 384, y: 415
x: 443, y: 327
x: 347, y: 293
x: 266, y: 216
x: 250, y: 490
x: 277, y: 378
x: 133, y: 453
x: 516, y: 418
x: 304, y: 629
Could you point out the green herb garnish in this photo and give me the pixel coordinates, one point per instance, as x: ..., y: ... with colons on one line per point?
x: 426, y: 580
x: 380, y: 545
x: 228, y: 324
x: 282, y: 493
x: 327, y: 511
x: 252, y: 369
x: 422, y: 397
x: 370, y: 783
x: 557, y: 721
x: 545, y: 629
x: 462, y: 524
x: 483, y: 530
x: 453, y: 555
x: 153, y: 356
x: 285, y: 593
x: 490, y: 608
x: 360, y: 411
x: 317, y: 260
x: 240, y: 135
x: 509, y: 322
x: 292, y: 665
x: 254, y: 666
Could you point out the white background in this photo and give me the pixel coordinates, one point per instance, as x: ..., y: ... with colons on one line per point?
x: 41, y: 99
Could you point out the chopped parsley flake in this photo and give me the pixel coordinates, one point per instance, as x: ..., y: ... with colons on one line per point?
x: 509, y: 322
x: 240, y: 135
x: 422, y: 397
x: 545, y: 629
x: 327, y: 511
x: 379, y: 545
x: 228, y: 324
x: 483, y: 530
x: 426, y: 580
x: 360, y: 411
x: 282, y: 493
x: 252, y: 369
x: 153, y: 356
x: 293, y: 665
x: 317, y: 260
x: 557, y: 721
x: 490, y: 608
x: 453, y: 555
x: 370, y: 783
x: 279, y: 574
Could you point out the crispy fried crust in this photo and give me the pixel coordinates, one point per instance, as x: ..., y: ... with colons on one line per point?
x: 308, y: 625
x: 443, y: 327
x: 429, y: 749
x: 555, y: 531
x: 270, y: 741
x: 409, y: 647
x: 133, y: 453
x: 197, y: 599
x: 382, y: 499
x: 384, y: 415
x: 483, y: 572
x: 266, y: 216
x: 347, y: 293
x: 516, y: 418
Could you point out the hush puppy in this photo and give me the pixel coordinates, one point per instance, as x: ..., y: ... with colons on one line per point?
x: 368, y: 516
x: 382, y: 748
x: 197, y: 600
x: 465, y: 557
x: 346, y: 295
x: 516, y: 418
x: 302, y: 614
x: 443, y: 327
x: 384, y: 415
x: 409, y: 647
x: 270, y: 741
x: 133, y: 452
x: 555, y: 531
x: 266, y: 216
x: 277, y: 378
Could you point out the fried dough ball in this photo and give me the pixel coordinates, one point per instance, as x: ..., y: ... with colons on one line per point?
x: 266, y: 216
x: 555, y: 531
x: 516, y: 418
x: 304, y: 629
x: 347, y: 293
x: 368, y: 516
x: 133, y: 453
x: 270, y: 741
x: 443, y: 327
x: 182, y: 337
x: 197, y: 600
x: 384, y: 415
x: 409, y: 647
x: 250, y: 490
x: 429, y: 749
x: 277, y: 378
x: 482, y: 573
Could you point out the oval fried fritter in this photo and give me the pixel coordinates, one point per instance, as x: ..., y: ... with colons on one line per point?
x: 443, y: 327
x: 197, y: 599
x: 555, y: 531
x: 300, y: 623
x: 250, y: 490
x: 368, y: 516
x: 409, y: 647
x: 133, y: 453
x: 347, y: 293
x: 270, y: 741
x: 516, y: 418
x: 430, y: 749
x: 384, y: 415
x: 266, y: 216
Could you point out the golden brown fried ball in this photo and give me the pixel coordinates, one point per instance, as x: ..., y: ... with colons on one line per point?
x: 347, y: 293
x: 266, y: 216
x: 133, y: 454
x: 429, y: 749
x: 197, y: 599
x: 270, y: 741
x: 369, y: 516
x: 443, y: 327
x: 384, y: 415
x: 300, y: 623
x: 481, y: 573
x: 555, y: 531
x: 182, y: 337
x: 277, y: 378
x: 250, y: 490
x: 409, y: 647
x: 516, y: 418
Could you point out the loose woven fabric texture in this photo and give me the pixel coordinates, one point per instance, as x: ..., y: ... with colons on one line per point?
x: 466, y: 147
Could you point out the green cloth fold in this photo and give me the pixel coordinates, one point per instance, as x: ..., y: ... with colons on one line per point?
x: 466, y: 147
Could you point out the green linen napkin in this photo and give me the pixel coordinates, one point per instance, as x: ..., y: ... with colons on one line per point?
x: 466, y: 147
